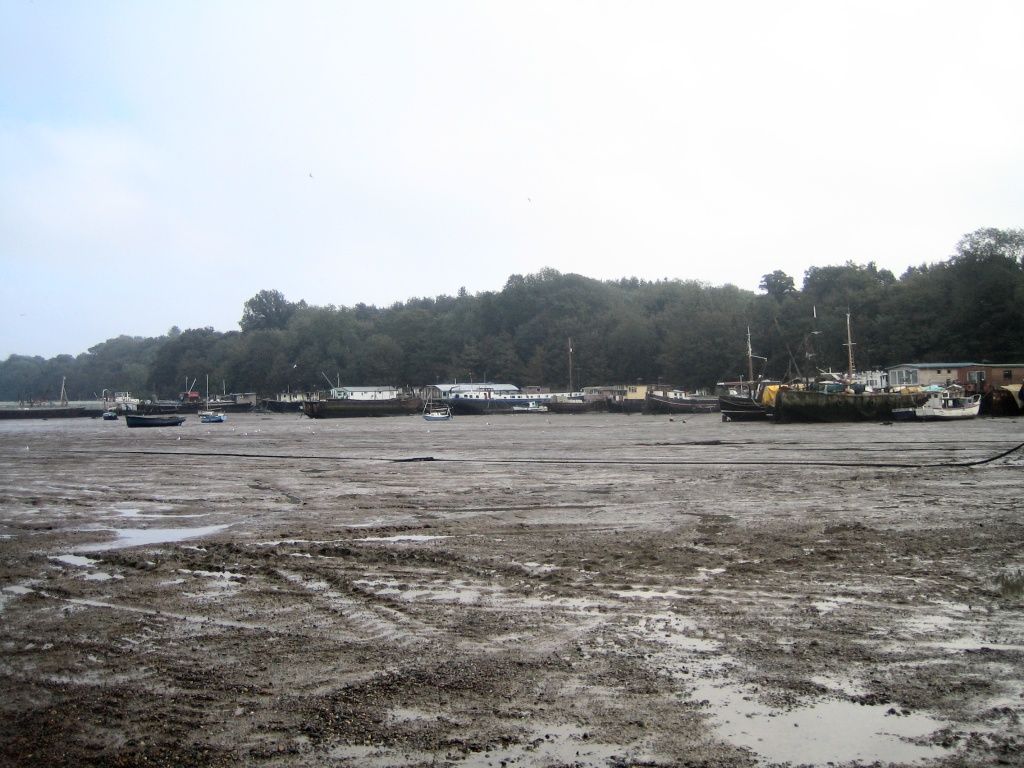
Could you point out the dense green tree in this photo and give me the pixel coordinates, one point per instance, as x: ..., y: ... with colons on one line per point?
x: 777, y: 284
x: 266, y: 311
x: 683, y: 333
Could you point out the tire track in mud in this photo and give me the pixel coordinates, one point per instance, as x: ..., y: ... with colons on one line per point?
x: 367, y: 623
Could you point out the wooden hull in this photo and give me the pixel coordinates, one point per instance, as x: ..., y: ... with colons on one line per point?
x: 342, y: 409
x: 656, y: 404
x: 738, y: 408
x: 143, y: 420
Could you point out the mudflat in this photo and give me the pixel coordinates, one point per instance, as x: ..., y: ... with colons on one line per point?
x: 528, y: 590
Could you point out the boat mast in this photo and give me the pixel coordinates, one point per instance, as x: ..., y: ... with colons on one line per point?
x: 849, y: 346
x: 750, y: 358
x: 570, y: 364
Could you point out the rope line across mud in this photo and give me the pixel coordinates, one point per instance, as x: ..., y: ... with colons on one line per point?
x: 567, y: 461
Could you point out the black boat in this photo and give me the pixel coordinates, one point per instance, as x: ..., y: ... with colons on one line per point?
x: 676, y: 401
x: 743, y: 404
x: 745, y: 400
x: 153, y: 420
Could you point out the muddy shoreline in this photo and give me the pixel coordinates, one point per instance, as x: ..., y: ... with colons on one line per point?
x: 590, y: 590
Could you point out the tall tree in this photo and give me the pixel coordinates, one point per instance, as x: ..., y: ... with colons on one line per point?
x: 266, y: 311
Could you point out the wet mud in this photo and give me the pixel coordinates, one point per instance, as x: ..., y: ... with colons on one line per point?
x: 534, y: 590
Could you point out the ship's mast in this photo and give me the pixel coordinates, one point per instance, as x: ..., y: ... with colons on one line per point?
x: 750, y: 358
x: 570, y: 364
x: 849, y: 346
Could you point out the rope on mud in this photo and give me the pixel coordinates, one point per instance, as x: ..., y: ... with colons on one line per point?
x: 596, y: 462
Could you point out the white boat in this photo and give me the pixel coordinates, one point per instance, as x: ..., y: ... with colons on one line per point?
x: 946, y: 405
x: 211, y: 415
x: 120, y: 402
x: 530, y: 407
x: 436, y: 411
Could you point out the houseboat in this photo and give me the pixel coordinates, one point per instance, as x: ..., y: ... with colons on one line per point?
x: 345, y: 402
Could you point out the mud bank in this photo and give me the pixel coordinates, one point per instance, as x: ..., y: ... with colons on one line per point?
x: 598, y: 590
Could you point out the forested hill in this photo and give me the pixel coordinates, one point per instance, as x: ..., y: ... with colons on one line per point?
x: 968, y: 307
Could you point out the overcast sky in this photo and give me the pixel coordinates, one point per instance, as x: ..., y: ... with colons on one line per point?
x: 162, y: 162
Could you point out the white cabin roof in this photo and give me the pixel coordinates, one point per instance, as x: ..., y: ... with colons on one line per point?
x: 447, y: 389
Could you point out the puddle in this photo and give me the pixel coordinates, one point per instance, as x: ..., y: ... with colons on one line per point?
x: 648, y: 594
x: 135, y: 537
x: 75, y: 560
x: 134, y: 513
x: 830, y: 605
x: 827, y: 731
x: 411, y: 715
x: 678, y: 633
x: 537, y: 568
x: 412, y: 538
x: 547, y: 745
x: 574, y: 604
x: 706, y: 574
x: 442, y: 591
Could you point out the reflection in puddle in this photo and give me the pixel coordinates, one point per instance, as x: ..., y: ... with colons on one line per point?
x: 134, y: 537
x: 826, y: 731
x: 833, y: 730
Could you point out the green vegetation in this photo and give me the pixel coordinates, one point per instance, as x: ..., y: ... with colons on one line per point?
x: 689, y: 334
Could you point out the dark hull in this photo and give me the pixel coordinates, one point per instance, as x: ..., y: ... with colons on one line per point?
x: 153, y: 409
x: 341, y: 409
x: 671, y: 405
x: 904, y: 414
x: 481, y: 407
x: 741, y: 409
x: 56, y: 412
x: 282, y: 406
x: 137, y: 420
x: 1000, y: 402
x: 803, y: 406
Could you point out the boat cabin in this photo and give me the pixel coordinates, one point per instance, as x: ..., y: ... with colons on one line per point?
x: 365, y: 393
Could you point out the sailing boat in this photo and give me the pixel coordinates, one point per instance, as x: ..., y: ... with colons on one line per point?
x: 436, y: 411
x: 838, y: 397
x: 210, y: 416
x: 744, y: 400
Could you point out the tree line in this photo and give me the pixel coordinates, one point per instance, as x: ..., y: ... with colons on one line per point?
x: 684, y: 333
